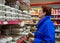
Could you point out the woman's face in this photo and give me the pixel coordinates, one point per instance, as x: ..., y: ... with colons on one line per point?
x: 41, y: 13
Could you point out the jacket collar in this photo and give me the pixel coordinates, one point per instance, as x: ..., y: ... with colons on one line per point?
x: 42, y: 21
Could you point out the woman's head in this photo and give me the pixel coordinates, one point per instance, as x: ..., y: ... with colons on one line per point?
x: 45, y: 11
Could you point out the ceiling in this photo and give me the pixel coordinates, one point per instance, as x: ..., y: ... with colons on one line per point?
x: 37, y: 3
x: 42, y: 1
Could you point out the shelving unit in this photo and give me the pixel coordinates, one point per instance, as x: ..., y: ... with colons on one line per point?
x: 57, y: 37
x: 58, y: 31
x: 12, y: 22
x: 56, y: 20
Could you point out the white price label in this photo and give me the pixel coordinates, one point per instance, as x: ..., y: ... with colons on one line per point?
x: 5, y: 22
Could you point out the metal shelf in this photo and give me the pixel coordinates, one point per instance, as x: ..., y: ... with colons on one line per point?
x: 57, y: 24
x: 57, y: 37
x: 57, y: 31
x: 55, y: 18
x: 55, y: 15
x: 10, y: 22
x: 34, y: 15
x: 31, y: 24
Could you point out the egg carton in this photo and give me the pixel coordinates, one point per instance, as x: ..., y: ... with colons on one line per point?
x: 2, y: 13
x: 24, y: 33
x: 2, y: 1
x: 25, y: 15
x: 26, y: 12
x: 24, y: 28
x: 16, y: 38
x: 13, y: 18
x: 16, y: 34
x: 2, y: 18
x: 5, y: 40
x: 14, y: 10
x: 8, y: 18
x: 14, y: 31
x: 16, y: 6
x: 24, y: 18
x: 9, y: 39
x: 18, y: 29
x: 21, y: 18
x: 8, y: 13
x: 14, y: 14
x: 12, y: 42
x: 19, y: 11
x: 20, y: 15
x: 2, y: 7
x: 17, y: 18
x: 7, y: 8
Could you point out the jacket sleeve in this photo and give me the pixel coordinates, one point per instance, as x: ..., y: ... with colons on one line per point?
x: 49, y: 33
x: 36, y: 40
x: 33, y: 33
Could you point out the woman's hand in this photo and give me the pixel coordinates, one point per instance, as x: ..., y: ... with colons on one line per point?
x: 31, y: 39
x: 31, y: 33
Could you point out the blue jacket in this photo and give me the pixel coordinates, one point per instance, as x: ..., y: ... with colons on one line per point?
x: 45, y: 31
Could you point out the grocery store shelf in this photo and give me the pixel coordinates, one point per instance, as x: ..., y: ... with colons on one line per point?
x: 57, y: 24
x: 10, y: 22
x: 34, y: 15
x: 55, y: 15
x: 15, y: 38
x: 57, y: 31
x: 57, y: 37
x: 30, y: 24
x: 21, y: 40
x: 35, y: 19
x: 55, y: 18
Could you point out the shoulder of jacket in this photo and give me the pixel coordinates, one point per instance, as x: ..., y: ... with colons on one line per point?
x: 48, y: 22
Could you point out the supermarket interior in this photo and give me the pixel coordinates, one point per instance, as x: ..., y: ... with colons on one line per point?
x: 20, y: 22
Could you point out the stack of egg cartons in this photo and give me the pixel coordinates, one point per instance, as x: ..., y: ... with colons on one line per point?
x: 20, y: 16
x: 26, y: 15
x: 8, y: 13
x: 14, y: 13
x: 17, y: 5
x: 5, y: 40
x: 2, y: 1
x: 2, y: 12
x: 11, y: 13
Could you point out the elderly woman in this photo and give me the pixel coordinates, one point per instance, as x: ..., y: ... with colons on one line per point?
x: 45, y: 29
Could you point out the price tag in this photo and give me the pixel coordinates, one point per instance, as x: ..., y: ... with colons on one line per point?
x: 0, y: 23
x: 5, y: 22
